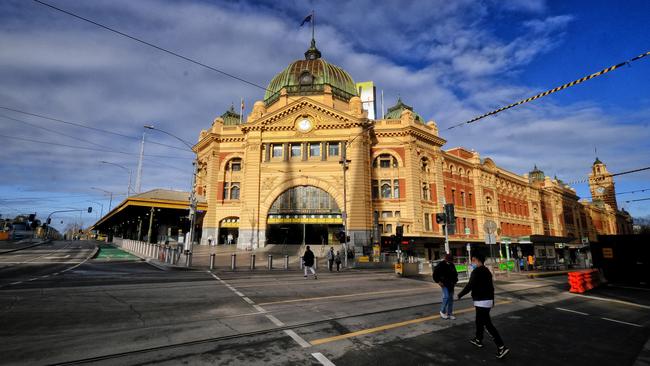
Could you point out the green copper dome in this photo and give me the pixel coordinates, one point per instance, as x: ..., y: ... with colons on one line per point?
x: 309, y: 76
x: 395, y: 112
x: 230, y: 117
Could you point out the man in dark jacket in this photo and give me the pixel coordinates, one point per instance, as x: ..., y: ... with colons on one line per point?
x: 480, y: 283
x: 308, y: 261
x: 446, y: 276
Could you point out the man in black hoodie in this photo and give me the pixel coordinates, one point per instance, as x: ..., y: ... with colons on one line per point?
x: 480, y: 283
x: 446, y: 276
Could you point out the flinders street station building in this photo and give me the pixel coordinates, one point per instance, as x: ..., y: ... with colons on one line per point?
x: 312, y: 160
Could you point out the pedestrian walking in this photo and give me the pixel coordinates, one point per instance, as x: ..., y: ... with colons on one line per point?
x: 337, y: 259
x: 210, y: 240
x: 445, y: 275
x: 482, y: 288
x: 308, y: 261
x: 229, y: 238
x: 531, y: 263
x: 330, y: 258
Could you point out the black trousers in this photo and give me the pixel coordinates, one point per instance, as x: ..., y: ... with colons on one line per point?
x: 483, y: 320
x: 330, y: 262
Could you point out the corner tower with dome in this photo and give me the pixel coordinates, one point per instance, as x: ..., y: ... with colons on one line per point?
x: 307, y: 164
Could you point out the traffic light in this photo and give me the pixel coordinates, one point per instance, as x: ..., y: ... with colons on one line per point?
x: 440, y: 218
x: 341, y: 236
x: 32, y: 217
x: 49, y: 220
x: 399, y: 230
x: 450, y: 218
x: 90, y: 209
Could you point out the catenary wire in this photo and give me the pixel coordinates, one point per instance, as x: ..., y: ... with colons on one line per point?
x: 554, y: 90
x: 151, y: 45
x: 88, y: 127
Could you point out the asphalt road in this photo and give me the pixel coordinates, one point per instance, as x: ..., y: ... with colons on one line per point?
x: 126, y: 312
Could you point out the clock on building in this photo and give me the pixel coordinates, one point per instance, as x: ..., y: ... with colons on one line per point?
x: 304, y: 124
x: 600, y: 190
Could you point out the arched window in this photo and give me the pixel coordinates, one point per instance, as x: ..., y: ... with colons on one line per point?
x: 234, y: 165
x: 385, y: 161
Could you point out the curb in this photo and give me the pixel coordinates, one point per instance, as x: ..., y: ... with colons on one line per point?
x: 27, y: 247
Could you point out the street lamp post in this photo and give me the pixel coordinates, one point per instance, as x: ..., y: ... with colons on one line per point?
x: 128, y: 190
x: 188, y: 246
x: 110, y: 202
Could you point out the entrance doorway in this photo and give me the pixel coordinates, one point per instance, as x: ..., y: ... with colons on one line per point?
x: 304, y: 215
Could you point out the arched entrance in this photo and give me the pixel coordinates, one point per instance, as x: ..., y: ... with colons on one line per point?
x: 304, y: 215
x: 228, y: 230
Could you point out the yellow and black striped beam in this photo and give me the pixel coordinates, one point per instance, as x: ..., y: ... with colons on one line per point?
x: 562, y: 87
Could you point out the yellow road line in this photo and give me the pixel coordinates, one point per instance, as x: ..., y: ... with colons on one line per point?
x: 348, y: 295
x: 316, y: 342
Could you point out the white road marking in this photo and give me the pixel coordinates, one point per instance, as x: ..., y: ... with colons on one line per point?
x: 303, y: 343
x: 322, y: 359
x: 572, y: 311
x: 622, y: 322
x: 290, y: 332
x: 612, y: 300
x: 275, y: 320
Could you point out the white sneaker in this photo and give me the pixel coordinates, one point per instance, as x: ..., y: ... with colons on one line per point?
x: 451, y: 317
x: 443, y: 315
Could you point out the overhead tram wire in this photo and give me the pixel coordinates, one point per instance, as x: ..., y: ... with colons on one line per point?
x: 640, y: 199
x: 89, y: 148
x: 554, y: 90
x: 88, y: 127
x: 585, y: 180
x: 159, y: 48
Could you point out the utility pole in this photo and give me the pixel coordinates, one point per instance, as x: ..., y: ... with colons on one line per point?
x: 344, y: 163
x: 150, y: 231
x: 138, y: 177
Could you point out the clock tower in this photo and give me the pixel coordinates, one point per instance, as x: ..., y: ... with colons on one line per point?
x: 601, y: 184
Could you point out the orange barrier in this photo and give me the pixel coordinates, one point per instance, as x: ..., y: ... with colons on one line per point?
x: 582, y: 281
x: 4, y: 235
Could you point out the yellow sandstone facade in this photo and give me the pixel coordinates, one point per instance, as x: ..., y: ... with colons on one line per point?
x: 307, y: 163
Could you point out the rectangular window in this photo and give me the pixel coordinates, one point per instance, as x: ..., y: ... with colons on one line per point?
x: 389, y: 228
x: 453, y: 196
x: 375, y: 189
x: 427, y: 222
x: 469, y: 202
x: 276, y: 151
x: 464, y: 225
x: 396, y: 188
x: 226, y: 190
x: 296, y: 150
x: 314, y: 149
x: 333, y: 149
x: 385, y: 189
x: 397, y: 214
x: 386, y: 214
x: 462, y: 198
x: 381, y: 228
x: 235, y: 166
x: 234, y: 191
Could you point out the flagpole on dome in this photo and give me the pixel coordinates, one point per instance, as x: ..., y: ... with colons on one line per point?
x: 313, y: 25
x: 241, y: 111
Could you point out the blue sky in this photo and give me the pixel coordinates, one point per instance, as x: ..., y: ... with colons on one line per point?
x: 450, y: 60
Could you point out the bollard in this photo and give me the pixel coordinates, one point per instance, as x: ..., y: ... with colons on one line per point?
x: 286, y: 262
x: 212, y: 261
x: 190, y: 260
x: 252, y: 261
x: 233, y: 261
x: 187, y: 258
x: 302, y: 264
x: 316, y: 263
x: 269, y: 262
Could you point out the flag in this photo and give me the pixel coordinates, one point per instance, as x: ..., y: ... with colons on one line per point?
x: 242, y: 104
x: 307, y: 19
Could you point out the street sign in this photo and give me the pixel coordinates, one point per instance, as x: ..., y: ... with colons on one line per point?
x: 467, y: 231
x: 490, y: 239
x: 489, y: 226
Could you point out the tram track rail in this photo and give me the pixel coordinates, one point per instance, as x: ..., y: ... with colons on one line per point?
x: 267, y: 331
